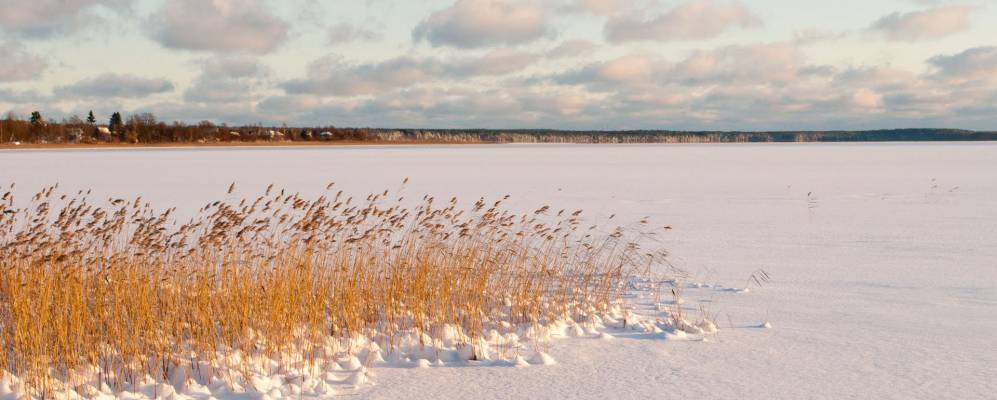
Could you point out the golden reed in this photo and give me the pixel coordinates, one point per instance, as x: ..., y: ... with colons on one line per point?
x: 119, y: 292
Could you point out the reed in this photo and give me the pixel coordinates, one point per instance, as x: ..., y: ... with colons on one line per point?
x: 119, y: 293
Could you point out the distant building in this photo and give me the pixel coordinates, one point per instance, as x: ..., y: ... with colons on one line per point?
x: 326, y: 135
x: 74, y: 135
x: 275, y: 135
x: 103, y: 134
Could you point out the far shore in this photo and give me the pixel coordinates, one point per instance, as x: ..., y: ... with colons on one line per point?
x: 286, y: 143
x: 389, y: 143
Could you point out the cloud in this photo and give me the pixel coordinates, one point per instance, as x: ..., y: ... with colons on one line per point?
x: 500, y: 63
x: 768, y: 63
x: 20, y: 97
x: 978, y: 64
x: 692, y: 20
x: 345, y: 33
x: 819, y: 102
x: 757, y: 64
x: 333, y: 76
x: 557, y: 101
x: 459, y: 105
x: 232, y: 67
x: 924, y: 25
x: 283, y: 107
x: 434, y: 107
x: 572, y: 48
x: 631, y: 69
x: 116, y: 86
x: 601, y: 7
x: 219, y: 91
x: 876, y: 77
x: 774, y: 86
x: 865, y: 99
x: 430, y: 101
x: 481, y: 23
x: 222, y: 26
x: 227, y: 79
x: 496, y: 62
x: 18, y: 64
x: 232, y: 113
x: 46, y: 18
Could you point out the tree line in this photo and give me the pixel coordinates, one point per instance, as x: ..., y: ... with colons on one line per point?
x: 145, y: 128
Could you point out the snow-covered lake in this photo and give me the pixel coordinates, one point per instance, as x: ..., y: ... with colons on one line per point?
x: 883, y: 257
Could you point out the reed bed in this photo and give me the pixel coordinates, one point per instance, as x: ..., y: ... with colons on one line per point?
x: 117, y: 294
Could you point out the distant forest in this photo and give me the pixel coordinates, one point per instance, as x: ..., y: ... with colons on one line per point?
x: 144, y: 128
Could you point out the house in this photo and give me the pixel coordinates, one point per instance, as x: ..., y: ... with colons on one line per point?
x: 274, y: 135
x: 103, y: 134
x: 74, y: 135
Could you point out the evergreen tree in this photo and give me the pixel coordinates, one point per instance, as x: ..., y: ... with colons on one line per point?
x: 91, y: 119
x: 116, y: 122
x: 116, y: 125
x: 36, y: 119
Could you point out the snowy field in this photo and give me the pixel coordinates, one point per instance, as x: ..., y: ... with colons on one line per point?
x: 882, y: 256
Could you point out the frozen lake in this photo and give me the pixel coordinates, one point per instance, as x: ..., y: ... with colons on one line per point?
x: 882, y: 255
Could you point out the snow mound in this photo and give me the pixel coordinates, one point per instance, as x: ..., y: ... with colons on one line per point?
x: 349, y: 371
x: 541, y: 358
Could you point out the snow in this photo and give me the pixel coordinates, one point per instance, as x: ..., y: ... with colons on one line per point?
x: 883, y: 283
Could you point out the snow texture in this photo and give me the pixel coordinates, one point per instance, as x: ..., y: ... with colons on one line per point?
x: 884, y: 283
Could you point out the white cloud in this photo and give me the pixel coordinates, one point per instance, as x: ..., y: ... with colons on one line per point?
x: 769, y: 63
x: 631, y: 69
x: 773, y: 86
x: 286, y: 107
x: 603, y: 7
x: 876, y: 77
x: 345, y: 33
x: 220, y: 91
x: 46, y: 18
x: 481, y: 23
x: 218, y: 26
x: 924, y: 25
x: 495, y: 62
x: 865, y: 99
x: 18, y: 64
x: 333, y: 76
x: 228, y: 79
x: 758, y: 64
x: 572, y: 48
x: 232, y: 67
x: 691, y: 20
x: 503, y: 66
x: 557, y: 101
x: 115, y: 86
x: 628, y: 69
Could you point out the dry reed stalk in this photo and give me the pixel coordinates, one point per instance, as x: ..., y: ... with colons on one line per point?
x: 93, y: 295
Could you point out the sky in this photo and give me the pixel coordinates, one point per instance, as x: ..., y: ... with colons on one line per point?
x: 562, y: 64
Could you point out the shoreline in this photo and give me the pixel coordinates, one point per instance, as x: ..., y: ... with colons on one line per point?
x: 362, y: 143
x: 169, y: 145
